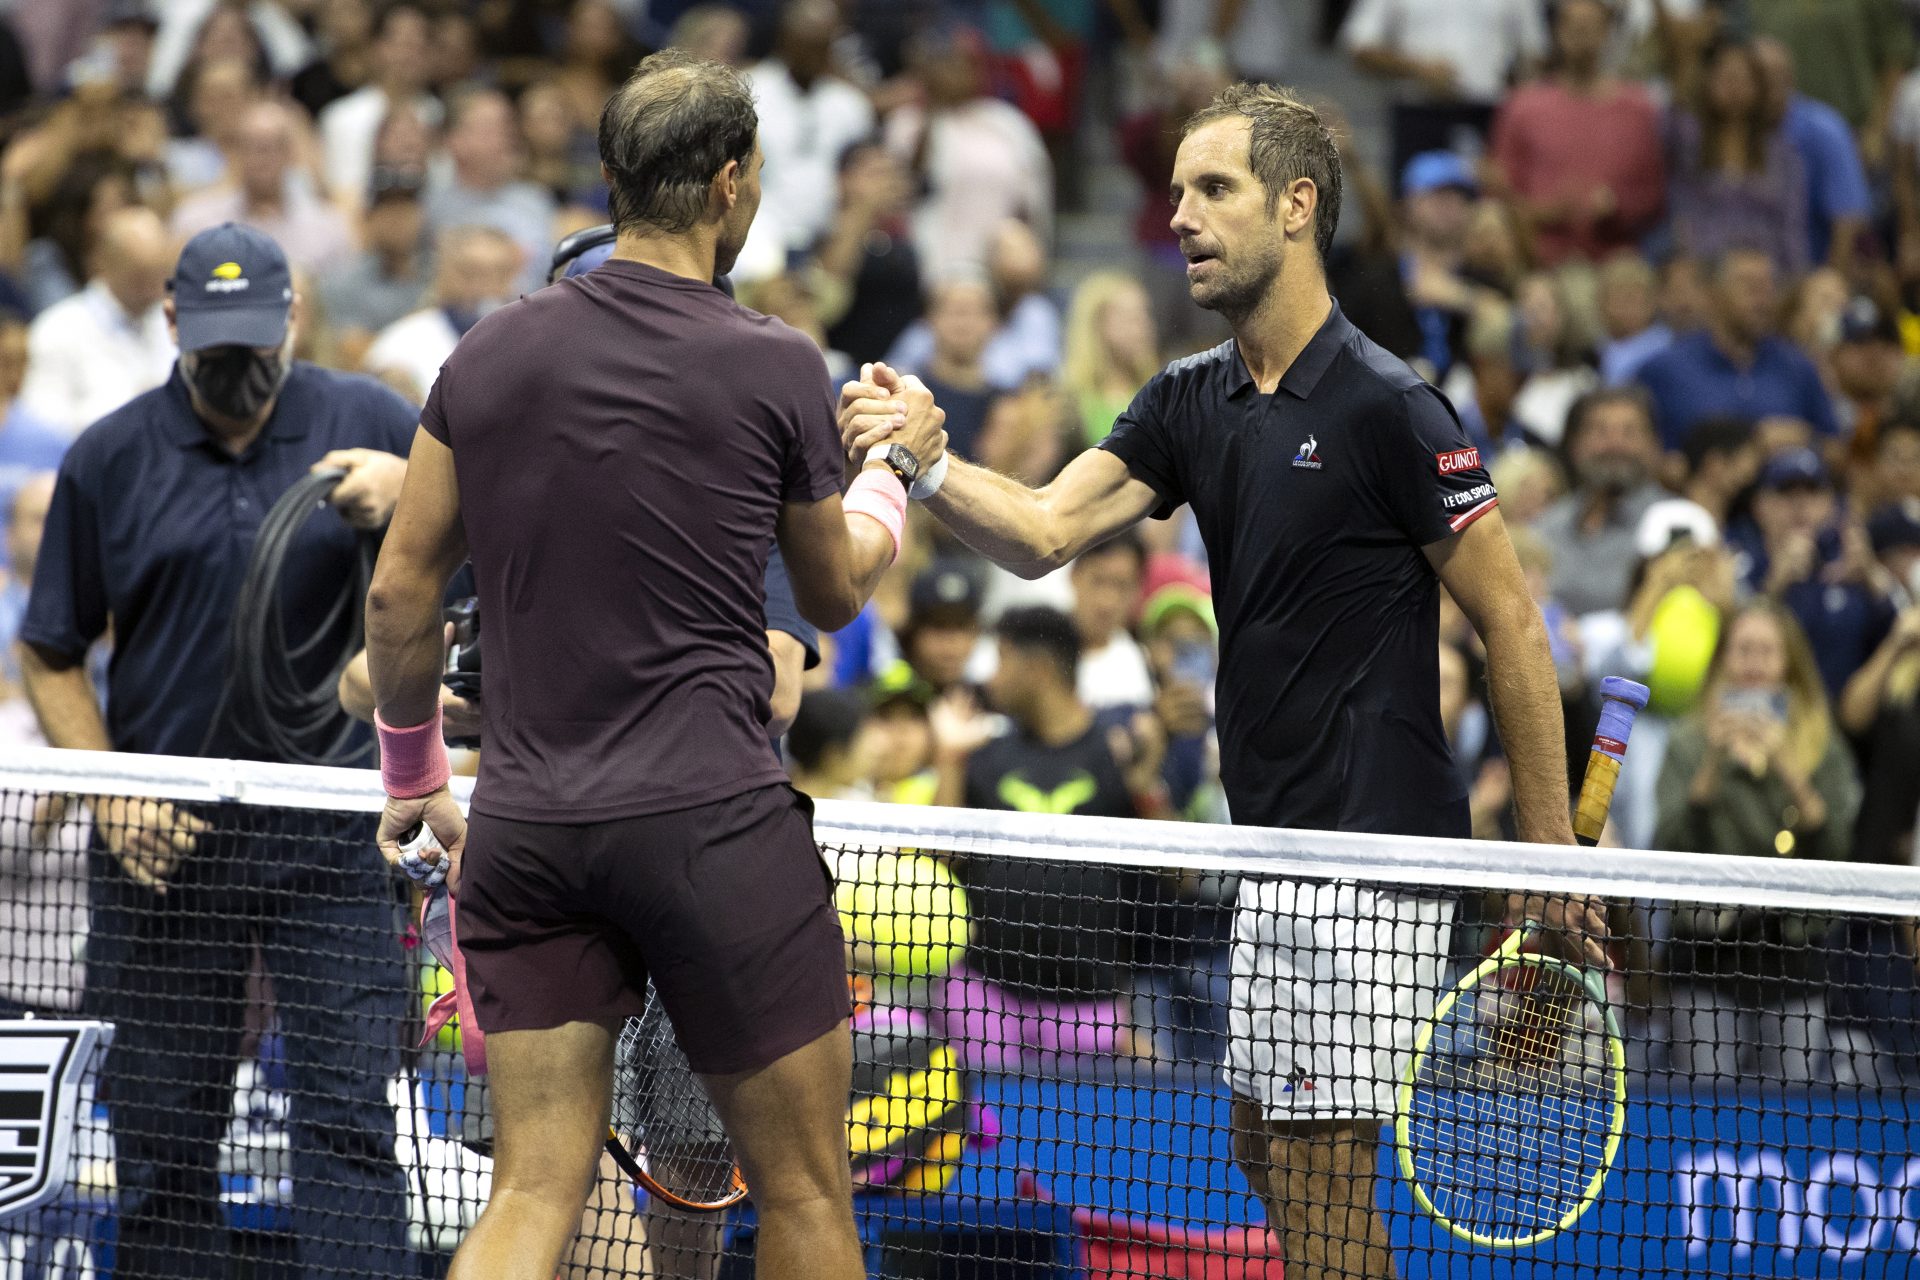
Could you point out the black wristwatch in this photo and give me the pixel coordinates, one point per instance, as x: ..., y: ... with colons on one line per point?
x: 899, y: 460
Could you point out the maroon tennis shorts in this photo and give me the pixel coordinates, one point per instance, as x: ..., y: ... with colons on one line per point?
x: 726, y: 906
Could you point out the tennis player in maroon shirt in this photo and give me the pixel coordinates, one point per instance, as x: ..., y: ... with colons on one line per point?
x: 615, y: 454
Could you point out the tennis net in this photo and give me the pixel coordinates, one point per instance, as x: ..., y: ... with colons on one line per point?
x: 1054, y: 1016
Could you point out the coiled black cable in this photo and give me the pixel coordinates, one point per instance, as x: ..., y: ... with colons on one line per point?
x: 266, y: 703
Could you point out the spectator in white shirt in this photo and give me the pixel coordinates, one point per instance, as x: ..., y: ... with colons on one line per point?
x: 484, y: 188
x: 350, y: 126
x: 979, y: 161
x: 270, y: 196
x: 1249, y: 38
x: 218, y: 95
x: 91, y: 353
x: 1028, y: 339
x: 1453, y: 59
x: 1106, y: 589
x: 477, y: 267
x: 183, y: 35
x: 808, y: 117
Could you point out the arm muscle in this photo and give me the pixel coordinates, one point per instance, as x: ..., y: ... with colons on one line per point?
x: 1481, y: 572
x: 424, y: 545
x: 834, y: 559
x: 1035, y: 531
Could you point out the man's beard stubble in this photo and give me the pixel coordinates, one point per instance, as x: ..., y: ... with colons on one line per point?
x: 1239, y: 293
x: 1613, y: 476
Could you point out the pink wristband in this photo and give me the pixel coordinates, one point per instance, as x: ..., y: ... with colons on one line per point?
x: 878, y: 494
x: 413, y: 761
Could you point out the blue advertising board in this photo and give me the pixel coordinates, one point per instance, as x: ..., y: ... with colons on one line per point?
x: 1816, y: 1183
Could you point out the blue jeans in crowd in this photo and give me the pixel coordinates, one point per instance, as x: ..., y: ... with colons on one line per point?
x: 170, y: 972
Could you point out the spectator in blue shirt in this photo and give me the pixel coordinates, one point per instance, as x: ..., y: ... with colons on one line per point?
x: 1739, y: 366
x: 29, y: 445
x: 1630, y: 310
x: 1838, y: 202
x: 1800, y: 549
x: 1027, y: 340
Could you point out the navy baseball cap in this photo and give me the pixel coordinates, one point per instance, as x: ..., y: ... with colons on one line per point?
x: 1895, y: 525
x: 1794, y: 469
x: 1863, y: 321
x: 1435, y: 171
x: 944, y: 594
x: 232, y: 288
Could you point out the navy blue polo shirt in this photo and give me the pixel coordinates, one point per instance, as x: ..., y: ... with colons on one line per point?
x: 1314, y: 503
x: 152, y: 524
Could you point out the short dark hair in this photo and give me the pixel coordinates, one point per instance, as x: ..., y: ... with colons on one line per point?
x: 827, y: 719
x: 675, y: 123
x: 390, y: 13
x: 1582, y: 410
x: 1718, y: 434
x: 857, y: 148
x: 1289, y: 141
x: 1128, y: 541
x: 1045, y: 632
x: 1899, y: 424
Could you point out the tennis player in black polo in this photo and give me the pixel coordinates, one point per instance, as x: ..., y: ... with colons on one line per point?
x: 631, y: 821
x: 1336, y: 492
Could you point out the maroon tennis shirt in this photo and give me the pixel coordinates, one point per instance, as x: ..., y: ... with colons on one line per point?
x: 623, y: 443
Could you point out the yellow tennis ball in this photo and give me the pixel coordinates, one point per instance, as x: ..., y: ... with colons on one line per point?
x: 434, y: 983
x: 904, y: 914
x: 1683, y: 632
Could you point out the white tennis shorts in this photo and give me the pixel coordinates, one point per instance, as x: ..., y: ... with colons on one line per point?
x: 1330, y: 984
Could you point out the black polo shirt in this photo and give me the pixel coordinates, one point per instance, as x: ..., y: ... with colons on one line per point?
x: 152, y: 524
x: 1314, y: 503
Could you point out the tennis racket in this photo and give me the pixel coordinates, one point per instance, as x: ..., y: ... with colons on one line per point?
x: 1509, y: 1116
x: 665, y: 1133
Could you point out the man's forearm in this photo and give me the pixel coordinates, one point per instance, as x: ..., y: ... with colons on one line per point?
x: 1002, y: 519
x: 1526, y: 707
x: 64, y: 702
x: 872, y: 555
x: 405, y: 651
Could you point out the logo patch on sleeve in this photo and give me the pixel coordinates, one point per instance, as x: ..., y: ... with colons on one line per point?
x: 1455, y: 460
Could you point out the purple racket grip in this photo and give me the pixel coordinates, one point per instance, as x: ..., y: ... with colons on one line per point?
x: 1621, y: 701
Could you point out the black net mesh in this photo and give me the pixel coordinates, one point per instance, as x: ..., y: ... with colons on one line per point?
x: 1048, y: 1051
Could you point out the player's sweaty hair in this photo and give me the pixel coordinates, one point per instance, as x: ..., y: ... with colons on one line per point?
x: 1289, y: 141
x: 669, y: 129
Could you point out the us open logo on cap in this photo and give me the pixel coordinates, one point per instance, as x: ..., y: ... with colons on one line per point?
x: 41, y: 1064
x: 228, y: 278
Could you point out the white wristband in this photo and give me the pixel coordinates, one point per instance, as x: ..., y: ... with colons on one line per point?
x: 930, y: 481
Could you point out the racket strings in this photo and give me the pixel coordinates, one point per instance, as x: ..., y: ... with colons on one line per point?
x: 1513, y: 1104
x: 664, y: 1115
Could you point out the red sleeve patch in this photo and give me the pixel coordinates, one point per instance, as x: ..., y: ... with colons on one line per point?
x: 1457, y: 460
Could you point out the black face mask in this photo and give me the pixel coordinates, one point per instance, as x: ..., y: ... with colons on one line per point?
x: 235, y: 382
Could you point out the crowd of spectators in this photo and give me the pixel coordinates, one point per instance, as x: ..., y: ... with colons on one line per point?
x: 1663, y: 256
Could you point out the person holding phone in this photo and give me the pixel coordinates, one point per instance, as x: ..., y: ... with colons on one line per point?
x: 1803, y: 551
x: 1759, y: 770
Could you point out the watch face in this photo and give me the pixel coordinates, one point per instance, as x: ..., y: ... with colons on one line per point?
x: 901, y: 459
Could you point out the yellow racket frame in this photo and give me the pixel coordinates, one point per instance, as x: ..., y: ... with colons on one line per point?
x: 1511, y: 955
